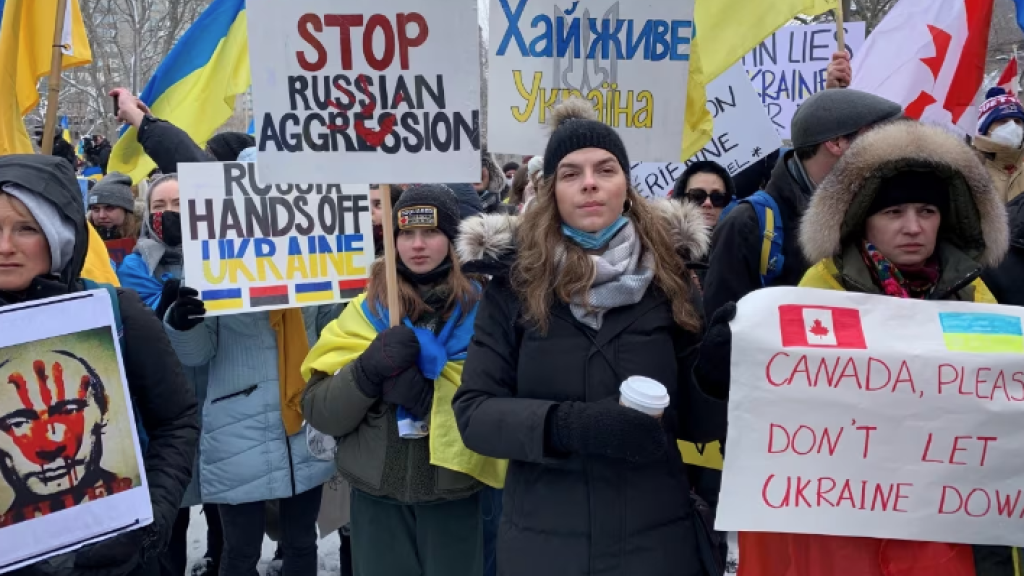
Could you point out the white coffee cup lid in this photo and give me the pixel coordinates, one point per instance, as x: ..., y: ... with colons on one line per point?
x: 645, y: 394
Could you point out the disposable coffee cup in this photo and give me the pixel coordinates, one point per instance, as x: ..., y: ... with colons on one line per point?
x: 645, y: 395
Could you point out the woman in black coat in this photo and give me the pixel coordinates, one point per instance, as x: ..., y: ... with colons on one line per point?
x: 592, y: 292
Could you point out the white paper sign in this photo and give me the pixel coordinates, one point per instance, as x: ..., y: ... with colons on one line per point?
x: 743, y: 135
x: 630, y: 59
x: 264, y: 247
x: 858, y: 415
x: 789, y: 66
x: 379, y: 91
x: 71, y: 470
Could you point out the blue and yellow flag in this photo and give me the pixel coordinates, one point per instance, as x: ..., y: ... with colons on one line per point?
x: 26, y: 47
x: 195, y: 86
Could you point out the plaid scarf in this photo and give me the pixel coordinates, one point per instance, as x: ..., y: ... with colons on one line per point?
x: 916, y: 284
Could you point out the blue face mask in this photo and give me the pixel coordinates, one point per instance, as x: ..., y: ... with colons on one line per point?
x: 595, y: 240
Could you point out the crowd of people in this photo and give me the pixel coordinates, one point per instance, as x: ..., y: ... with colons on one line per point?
x: 526, y: 299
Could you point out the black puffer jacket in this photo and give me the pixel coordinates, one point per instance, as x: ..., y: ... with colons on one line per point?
x: 164, y: 399
x: 1007, y: 281
x: 733, y: 267
x: 169, y: 145
x: 580, y: 515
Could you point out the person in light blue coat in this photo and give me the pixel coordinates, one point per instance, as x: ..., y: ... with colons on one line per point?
x: 246, y: 455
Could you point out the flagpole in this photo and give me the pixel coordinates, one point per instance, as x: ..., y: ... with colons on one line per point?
x: 390, y: 263
x: 53, y: 92
x: 840, y: 32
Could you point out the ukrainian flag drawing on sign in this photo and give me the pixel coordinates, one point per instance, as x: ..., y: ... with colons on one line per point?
x: 217, y: 300
x: 982, y: 333
x: 314, y: 292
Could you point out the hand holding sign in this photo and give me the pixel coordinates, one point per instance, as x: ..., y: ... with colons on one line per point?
x: 839, y: 73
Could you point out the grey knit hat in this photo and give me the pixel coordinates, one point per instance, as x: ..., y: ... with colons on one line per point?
x: 837, y: 112
x: 428, y: 206
x: 115, y: 189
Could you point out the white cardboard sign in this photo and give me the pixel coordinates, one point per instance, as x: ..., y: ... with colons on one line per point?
x: 789, y: 66
x: 743, y: 135
x: 859, y: 415
x: 67, y: 431
x: 379, y: 91
x: 251, y: 247
x: 630, y: 59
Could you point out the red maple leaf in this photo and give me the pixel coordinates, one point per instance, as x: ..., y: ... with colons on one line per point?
x: 818, y: 330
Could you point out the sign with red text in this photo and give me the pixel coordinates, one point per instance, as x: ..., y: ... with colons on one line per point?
x: 71, y: 469
x: 371, y: 91
x: 250, y: 247
x: 859, y: 415
x: 631, y: 60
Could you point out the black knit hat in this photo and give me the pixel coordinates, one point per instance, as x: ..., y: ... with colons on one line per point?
x: 226, y: 147
x: 428, y: 206
x: 577, y: 127
x: 911, y: 187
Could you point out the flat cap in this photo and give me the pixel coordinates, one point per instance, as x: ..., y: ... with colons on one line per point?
x: 837, y: 112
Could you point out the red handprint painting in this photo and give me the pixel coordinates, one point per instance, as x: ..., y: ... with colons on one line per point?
x: 65, y: 434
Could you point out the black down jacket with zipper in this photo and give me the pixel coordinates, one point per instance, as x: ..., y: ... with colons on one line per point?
x: 1007, y: 281
x: 580, y: 515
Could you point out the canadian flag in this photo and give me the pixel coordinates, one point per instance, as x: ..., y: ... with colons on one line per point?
x: 1008, y: 79
x: 821, y: 327
x: 929, y: 56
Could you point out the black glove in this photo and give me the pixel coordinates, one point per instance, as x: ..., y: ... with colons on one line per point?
x: 186, y: 305
x: 116, y: 556
x: 713, y: 366
x: 412, y: 391
x: 167, y: 297
x: 392, y: 352
x: 607, y: 429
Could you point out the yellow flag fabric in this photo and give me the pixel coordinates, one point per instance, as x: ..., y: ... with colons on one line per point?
x: 725, y: 31
x: 195, y: 86
x: 97, y: 261
x: 344, y: 339
x: 26, y: 40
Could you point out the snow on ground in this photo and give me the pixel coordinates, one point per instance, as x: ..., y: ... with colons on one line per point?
x: 330, y: 561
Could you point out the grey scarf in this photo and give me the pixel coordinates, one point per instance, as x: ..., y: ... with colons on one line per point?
x: 621, y: 277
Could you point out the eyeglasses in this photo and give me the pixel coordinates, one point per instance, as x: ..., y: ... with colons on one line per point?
x: 699, y: 195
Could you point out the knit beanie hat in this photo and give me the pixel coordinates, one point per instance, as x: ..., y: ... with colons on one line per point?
x: 428, y: 206
x: 577, y: 127
x: 59, y: 231
x: 911, y: 187
x: 998, y: 105
x: 115, y: 189
x: 830, y: 114
x: 227, y: 146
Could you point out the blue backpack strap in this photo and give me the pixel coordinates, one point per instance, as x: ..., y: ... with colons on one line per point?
x: 770, y: 220
x: 116, y: 307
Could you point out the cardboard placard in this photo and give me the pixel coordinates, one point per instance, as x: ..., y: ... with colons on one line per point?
x: 250, y: 247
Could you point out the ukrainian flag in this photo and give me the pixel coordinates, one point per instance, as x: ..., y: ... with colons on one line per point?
x: 219, y: 300
x: 195, y: 86
x: 26, y: 47
x: 65, y: 132
x: 314, y: 292
x: 982, y: 333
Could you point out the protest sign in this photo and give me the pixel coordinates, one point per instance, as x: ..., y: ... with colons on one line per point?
x: 861, y: 415
x: 630, y: 59
x: 71, y: 469
x: 743, y: 134
x: 790, y: 65
x: 252, y: 247
x: 384, y: 91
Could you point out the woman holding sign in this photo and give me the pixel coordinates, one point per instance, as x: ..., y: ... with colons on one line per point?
x: 589, y: 300
x: 385, y: 393
x: 908, y: 212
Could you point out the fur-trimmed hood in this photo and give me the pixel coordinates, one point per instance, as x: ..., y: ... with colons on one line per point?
x: 838, y: 210
x: 491, y: 238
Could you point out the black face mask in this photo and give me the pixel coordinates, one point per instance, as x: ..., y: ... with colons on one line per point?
x: 427, y: 278
x: 108, y: 232
x: 167, y: 227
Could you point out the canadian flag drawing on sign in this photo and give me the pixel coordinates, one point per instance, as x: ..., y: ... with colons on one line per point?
x: 821, y: 327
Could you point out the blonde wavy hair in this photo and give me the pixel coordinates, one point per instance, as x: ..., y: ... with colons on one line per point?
x: 538, y: 279
x: 465, y: 290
